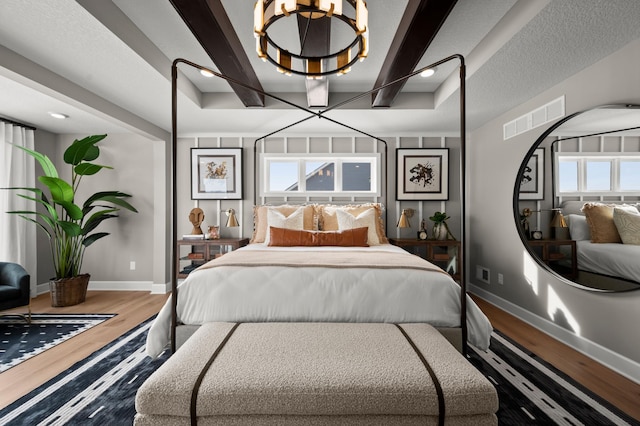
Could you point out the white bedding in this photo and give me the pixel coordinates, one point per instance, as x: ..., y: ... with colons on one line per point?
x: 617, y: 260
x: 277, y: 293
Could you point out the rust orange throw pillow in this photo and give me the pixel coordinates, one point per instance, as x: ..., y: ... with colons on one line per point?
x: 282, y: 237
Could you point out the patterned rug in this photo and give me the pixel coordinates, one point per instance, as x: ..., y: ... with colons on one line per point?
x: 20, y: 341
x: 100, y: 390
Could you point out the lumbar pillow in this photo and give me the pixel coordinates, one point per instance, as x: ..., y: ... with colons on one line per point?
x: 365, y: 219
x: 628, y: 225
x: 277, y: 219
x: 283, y: 237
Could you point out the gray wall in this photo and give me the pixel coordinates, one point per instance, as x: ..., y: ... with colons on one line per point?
x: 602, y: 325
x: 132, y: 235
x: 326, y: 144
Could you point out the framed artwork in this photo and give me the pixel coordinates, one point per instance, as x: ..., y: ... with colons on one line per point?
x: 532, y: 179
x: 422, y: 174
x: 216, y: 173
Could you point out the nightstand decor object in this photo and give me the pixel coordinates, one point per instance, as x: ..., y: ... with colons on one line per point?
x: 422, y: 233
x: 196, y: 216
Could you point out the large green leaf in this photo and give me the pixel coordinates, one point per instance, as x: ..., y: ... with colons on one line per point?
x: 74, y: 212
x: 42, y: 200
x: 96, y: 218
x: 60, y: 190
x: 72, y: 229
x: 47, y: 166
x: 93, y: 238
x: 80, y: 149
x: 115, y: 197
x: 86, y: 169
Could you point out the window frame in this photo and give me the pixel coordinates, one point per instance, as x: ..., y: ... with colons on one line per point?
x: 582, y: 158
x: 373, y: 158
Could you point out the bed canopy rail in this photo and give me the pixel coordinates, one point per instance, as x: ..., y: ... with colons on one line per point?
x: 318, y: 114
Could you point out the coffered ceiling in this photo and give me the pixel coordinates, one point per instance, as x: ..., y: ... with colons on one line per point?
x: 107, y: 63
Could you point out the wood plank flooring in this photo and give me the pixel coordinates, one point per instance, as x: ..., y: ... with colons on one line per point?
x: 617, y: 389
x: 134, y: 307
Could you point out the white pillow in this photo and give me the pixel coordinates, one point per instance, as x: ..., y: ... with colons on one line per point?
x: 278, y: 220
x: 578, y: 227
x: 367, y: 218
x: 628, y: 224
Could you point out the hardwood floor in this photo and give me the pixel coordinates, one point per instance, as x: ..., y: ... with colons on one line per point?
x: 617, y: 389
x: 134, y: 307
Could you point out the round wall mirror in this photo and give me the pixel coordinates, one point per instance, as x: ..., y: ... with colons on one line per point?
x: 577, y: 199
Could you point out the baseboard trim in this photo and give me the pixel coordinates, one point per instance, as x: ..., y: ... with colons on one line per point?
x: 117, y: 286
x: 612, y: 360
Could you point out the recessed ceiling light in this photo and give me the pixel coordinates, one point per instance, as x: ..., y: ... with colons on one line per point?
x: 428, y: 72
x: 58, y: 115
x: 206, y: 73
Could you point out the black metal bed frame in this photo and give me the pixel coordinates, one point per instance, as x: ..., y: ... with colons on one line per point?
x: 314, y: 114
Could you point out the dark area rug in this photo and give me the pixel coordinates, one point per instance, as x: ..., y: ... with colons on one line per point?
x: 20, y: 341
x: 100, y: 390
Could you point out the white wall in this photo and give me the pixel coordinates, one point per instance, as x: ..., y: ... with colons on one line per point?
x: 602, y: 325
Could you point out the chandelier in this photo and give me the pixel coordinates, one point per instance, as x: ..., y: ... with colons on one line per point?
x: 267, y: 12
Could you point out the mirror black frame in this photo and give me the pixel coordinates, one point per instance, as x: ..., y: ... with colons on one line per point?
x: 516, y: 197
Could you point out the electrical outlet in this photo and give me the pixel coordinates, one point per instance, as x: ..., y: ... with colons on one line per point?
x: 483, y: 274
x: 132, y: 265
x: 500, y: 279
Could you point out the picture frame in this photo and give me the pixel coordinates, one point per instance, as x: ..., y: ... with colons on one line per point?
x: 422, y: 174
x: 216, y: 174
x: 532, y: 180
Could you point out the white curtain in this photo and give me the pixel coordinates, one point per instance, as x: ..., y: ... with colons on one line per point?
x: 17, y: 169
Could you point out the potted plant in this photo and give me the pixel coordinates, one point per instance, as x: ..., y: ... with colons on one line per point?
x: 68, y: 224
x: 440, y: 228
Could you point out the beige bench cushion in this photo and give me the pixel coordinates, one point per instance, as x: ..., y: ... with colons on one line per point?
x: 316, y: 369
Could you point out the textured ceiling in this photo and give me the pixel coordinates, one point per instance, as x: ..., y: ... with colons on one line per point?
x: 106, y: 63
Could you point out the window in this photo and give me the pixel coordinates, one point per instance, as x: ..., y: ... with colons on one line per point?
x: 597, y: 173
x: 318, y: 174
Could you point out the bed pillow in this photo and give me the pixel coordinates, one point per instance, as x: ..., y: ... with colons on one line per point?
x: 365, y: 219
x: 279, y: 220
x: 328, y: 219
x: 283, y: 237
x: 628, y: 225
x: 578, y: 227
x: 260, y: 219
x: 600, y: 219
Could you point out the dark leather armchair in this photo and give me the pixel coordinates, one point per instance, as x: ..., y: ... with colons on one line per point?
x: 14, y: 287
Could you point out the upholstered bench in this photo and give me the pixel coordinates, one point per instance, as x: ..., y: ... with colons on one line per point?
x: 316, y: 374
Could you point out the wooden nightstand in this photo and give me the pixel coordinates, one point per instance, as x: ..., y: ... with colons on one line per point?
x: 559, y: 255
x: 443, y: 253
x: 202, y: 251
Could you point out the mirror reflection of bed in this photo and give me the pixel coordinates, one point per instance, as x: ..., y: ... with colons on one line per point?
x: 586, y: 167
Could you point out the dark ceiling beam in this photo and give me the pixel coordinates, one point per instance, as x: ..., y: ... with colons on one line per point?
x: 315, y: 40
x: 209, y: 23
x: 420, y: 23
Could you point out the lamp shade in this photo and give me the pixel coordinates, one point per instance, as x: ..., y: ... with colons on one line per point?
x: 232, y: 221
x: 403, y: 222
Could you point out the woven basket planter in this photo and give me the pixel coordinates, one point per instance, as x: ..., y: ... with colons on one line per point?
x: 69, y: 291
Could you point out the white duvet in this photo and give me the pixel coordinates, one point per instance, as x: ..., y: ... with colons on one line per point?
x: 617, y: 260
x: 278, y: 293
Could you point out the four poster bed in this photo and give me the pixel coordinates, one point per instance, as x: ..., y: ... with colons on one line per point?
x: 317, y: 282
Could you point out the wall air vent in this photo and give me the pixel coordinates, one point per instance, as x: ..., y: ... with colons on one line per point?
x: 543, y: 115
